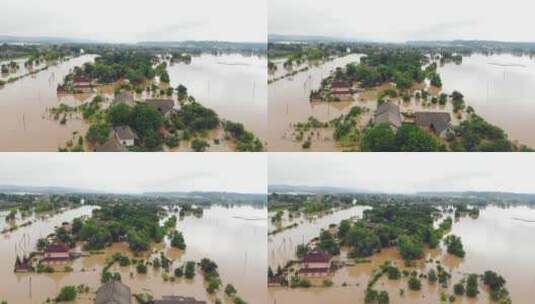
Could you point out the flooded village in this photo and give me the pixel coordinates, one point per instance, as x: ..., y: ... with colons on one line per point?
x: 62, y: 244
x: 329, y: 244
x: 67, y: 106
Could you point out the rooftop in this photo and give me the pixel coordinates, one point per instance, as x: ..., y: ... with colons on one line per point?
x: 112, y: 145
x: 388, y: 113
x: 113, y: 292
x: 125, y: 133
x: 57, y: 248
x: 317, y: 256
x: 438, y: 121
x: 163, y: 105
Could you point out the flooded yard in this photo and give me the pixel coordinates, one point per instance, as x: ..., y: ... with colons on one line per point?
x: 289, y: 102
x: 499, y: 240
x: 25, y: 124
x: 234, y: 85
x: 499, y: 88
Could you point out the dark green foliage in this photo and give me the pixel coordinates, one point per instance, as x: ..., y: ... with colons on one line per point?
x: 455, y: 245
x: 246, y: 140
x: 328, y: 243
x: 195, y: 117
x: 411, y: 138
x: 177, y: 240
x: 98, y: 133
x: 379, y: 138
x: 459, y: 289
x: 119, y: 114
x: 199, y: 145
x: 472, y: 289
x: 67, y: 294
x: 414, y: 283
x: 410, y: 248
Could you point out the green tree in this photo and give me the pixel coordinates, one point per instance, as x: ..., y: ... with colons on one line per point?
x: 411, y: 138
x: 67, y: 294
x: 98, y: 133
x: 379, y: 138
x: 119, y: 114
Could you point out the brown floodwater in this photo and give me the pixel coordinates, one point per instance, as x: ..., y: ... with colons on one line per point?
x: 497, y: 241
x: 232, y: 237
x: 499, y: 88
x: 234, y: 85
x: 25, y: 124
x: 288, y: 103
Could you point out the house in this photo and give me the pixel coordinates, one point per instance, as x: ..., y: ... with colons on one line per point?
x: 23, y: 265
x: 341, y: 89
x: 165, y: 106
x: 56, y: 253
x: 113, y: 292
x: 388, y: 113
x: 436, y: 122
x: 274, y: 281
x: 82, y: 82
x: 124, y: 97
x: 112, y: 145
x: 125, y: 136
x: 315, y: 263
x: 177, y: 300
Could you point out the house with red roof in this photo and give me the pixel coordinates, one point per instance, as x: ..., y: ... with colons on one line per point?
x: 315, y: 263
x: 56, y: 253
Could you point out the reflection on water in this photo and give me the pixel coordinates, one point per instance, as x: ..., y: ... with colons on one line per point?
x: 496, y: 241
x: 232, y: 237
x: 233, y: 85
x: 499, y: 88
x: 25, y: 124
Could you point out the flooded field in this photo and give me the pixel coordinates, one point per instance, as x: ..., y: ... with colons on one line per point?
x: 234, y: 85
x: 25, y: 124
x: 232, y: 237
x: 289, y: 103
x: 499, y: 88
x: 499, y: 240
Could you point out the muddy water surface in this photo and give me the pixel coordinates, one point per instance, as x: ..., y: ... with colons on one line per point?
x: 25, y: 124
x: 499, y: 88
x: 234, y: 85
x: 289, y: 103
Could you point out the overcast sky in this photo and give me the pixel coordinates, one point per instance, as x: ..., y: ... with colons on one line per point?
x: 406, y: 173
x: 398, y: 21
x: 136, y: 20
x: 138, y: 172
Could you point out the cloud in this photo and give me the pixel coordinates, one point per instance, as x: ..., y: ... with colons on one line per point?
x: 138, y: 172
x: 405, y: 172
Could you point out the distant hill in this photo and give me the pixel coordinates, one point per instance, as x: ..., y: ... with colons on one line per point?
x: 308, y: 39
x: 484, y: 195
x: 212, y: 196
x: 42, y: 40
x: 43, y: 189
x: 223, y: 45
x: 475, y: 44
x: 310, y: 189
